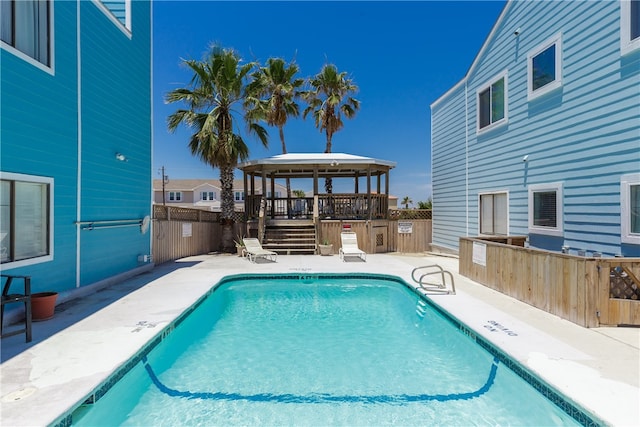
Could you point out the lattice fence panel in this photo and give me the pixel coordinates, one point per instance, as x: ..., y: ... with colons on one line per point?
x: 396, y: 214
x: 622, y: 285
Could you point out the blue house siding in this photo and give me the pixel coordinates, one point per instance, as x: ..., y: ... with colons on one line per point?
x: 448, y: 165
x: 585, y: 134
x: 41, y: 137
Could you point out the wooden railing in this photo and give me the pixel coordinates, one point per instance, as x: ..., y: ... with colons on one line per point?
x: 330, y: 206
x: 587, y: 291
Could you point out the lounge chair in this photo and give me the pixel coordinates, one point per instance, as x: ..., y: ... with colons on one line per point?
x: 254, y: 250
x: 350, y: 247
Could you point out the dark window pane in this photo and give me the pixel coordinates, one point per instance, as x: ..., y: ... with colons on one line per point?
x: 484, y: 101
x: 544, y: 67
x: 634, y: 209
x: 544, y: 209
x: 497, y: 101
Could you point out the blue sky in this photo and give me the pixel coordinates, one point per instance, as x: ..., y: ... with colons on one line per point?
x: 401, y: 55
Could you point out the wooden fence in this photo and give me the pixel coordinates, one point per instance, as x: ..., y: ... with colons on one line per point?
x: 379, y: 236
x: 180, y: 232
x: 587, y: 291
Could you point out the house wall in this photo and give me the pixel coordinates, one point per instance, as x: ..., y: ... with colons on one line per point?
x: 584, y: 134
x: 69, y: 125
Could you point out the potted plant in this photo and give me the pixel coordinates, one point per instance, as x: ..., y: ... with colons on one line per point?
x: 326, y: 248
x: 43, y: 305
x: 239, y: 244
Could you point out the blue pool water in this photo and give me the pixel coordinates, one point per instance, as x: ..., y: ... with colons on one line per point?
x: 319, y: 351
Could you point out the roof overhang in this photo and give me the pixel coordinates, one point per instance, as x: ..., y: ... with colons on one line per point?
x: 302, y: 165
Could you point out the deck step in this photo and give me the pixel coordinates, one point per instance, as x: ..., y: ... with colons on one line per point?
x: 290, y: 237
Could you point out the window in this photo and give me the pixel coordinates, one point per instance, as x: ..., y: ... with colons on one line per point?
x: 277, y: 194
x: 630, y: 208
x: 493, y: 214
x: 492, y: 103
x: 544, y: 67
x: 118, y: 11
x: 629, y: 26
x: 175, y: 196
x: 26, y: 236
x: 239, y: 196
x: 26, y: 29
x: 208, y: 195
x: 545, y: 209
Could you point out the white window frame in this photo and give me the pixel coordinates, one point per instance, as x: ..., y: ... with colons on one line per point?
x: 626, y: 182
x: 505, y: 119
x: 126, y: 28
x: 626, y: 44
x: 490, y: 193
x: 207, y: 195
x: 177, y: 196
x: 558, y: 230
x: 238, y: 196
x: 41, y: 180
x: 49, y: 69
x: 555, y: 84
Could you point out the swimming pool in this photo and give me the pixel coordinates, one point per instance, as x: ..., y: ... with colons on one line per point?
x: 320, y: 350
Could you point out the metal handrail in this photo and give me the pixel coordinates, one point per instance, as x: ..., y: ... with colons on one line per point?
x: 434, y: 287
x: 94, y: 225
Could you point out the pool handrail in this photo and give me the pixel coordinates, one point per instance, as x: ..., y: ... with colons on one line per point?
x: 434, y: 287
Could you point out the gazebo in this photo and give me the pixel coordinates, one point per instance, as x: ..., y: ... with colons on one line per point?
x: 368, y: 201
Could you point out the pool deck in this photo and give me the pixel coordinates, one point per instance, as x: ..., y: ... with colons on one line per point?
x: 88, y: 339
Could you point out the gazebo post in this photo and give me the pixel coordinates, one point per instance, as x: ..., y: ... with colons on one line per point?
x: 246, y: 198
x: 264, y: 184
x: 369, y: 192
x: 273, y: 194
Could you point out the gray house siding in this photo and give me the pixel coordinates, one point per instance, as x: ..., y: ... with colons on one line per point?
x: 584, y: 135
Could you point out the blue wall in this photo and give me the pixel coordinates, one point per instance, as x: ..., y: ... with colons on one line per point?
x: 41, y: 136
x: 584, y: 134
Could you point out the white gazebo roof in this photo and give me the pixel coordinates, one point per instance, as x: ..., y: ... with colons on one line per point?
x: 336, y: 164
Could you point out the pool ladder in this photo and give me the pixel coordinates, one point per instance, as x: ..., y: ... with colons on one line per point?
x: 420, y: 275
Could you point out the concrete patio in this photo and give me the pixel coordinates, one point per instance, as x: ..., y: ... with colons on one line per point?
x: 88, y: 339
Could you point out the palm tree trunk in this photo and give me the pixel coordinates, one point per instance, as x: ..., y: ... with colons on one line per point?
x: 284, y: 151
x: 227, y: 208
x: 328, y: 182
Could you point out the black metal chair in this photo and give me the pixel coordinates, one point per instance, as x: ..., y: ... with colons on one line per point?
x: 24, y: 298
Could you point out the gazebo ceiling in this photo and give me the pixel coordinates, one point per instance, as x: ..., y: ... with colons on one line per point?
x: 301, y: 165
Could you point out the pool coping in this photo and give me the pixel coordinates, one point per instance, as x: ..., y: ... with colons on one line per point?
x: 207, y: 271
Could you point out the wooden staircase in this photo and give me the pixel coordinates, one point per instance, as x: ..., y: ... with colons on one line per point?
x: 290, y: 237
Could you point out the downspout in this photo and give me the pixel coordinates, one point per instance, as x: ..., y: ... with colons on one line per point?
x: 79, y: 166
x: 151, y: 229
x: 466, y: 158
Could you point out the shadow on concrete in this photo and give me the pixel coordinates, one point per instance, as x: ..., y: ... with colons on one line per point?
x: 75, y: 310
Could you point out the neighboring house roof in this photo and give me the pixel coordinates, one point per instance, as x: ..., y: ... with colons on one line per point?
x: 478, y: 56
x: 195, y: 184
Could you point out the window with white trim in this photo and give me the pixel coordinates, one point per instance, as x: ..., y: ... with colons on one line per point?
x: 277, y: 194
x: 544, y: 68
x: 546, y: 209
x: 175, y: 196
x: 26, y: 27
x: 239, y: 196
x: 26, y: 209
x: 494, y: 213
x: 630, y: 208
x: 208, y: 195
x: 629, y: 26
x: 492, y: 103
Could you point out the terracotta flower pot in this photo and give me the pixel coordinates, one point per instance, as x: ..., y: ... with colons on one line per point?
x: 43, y: 305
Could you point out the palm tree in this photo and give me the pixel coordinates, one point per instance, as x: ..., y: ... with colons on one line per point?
x: 406, y: 201
x: 328, y: 99
x: 276, y: 90
x: 216, y: 88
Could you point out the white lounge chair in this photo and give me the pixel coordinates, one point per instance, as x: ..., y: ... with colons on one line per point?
x: 350, y: 247
x: 254, y: 250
